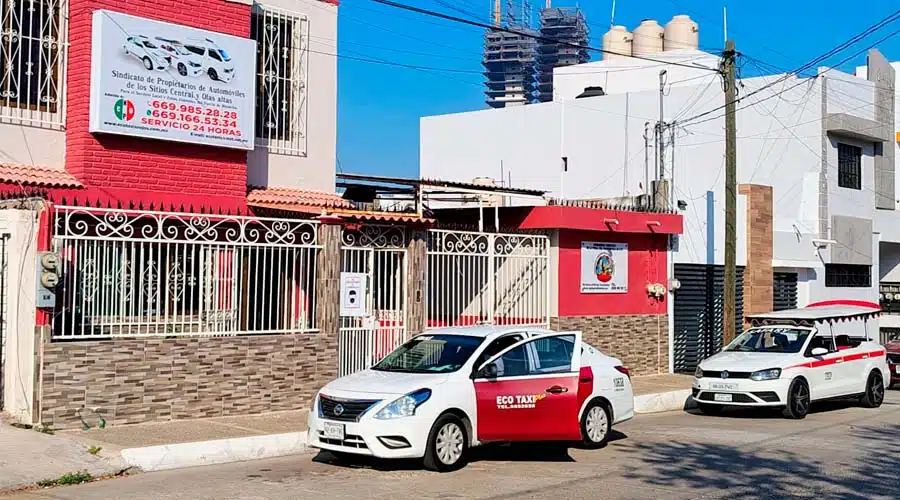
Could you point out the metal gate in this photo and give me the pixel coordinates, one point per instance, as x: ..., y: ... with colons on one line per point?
x: 4, y: 301
x: 784, y: 288
x: 379, y: 252
x: 699, y: 311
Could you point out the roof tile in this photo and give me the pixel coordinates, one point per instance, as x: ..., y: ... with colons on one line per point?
x: 295, y: 197
x: 34, y: 175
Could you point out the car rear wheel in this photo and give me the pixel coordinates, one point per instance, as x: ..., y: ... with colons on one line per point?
x: 798, y: 400
x: 708, y: 409
x: 595, y: 425
x: 874, y: 394
x: 147, y: 62
x: 447, y: 444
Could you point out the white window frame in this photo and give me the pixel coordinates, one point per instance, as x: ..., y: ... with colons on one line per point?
x: 282, y: 136
x: 49, y: 109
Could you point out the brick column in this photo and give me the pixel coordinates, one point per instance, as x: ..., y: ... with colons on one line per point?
x: 758, y: 279
x: 328, y: 279
x: 417, y: 262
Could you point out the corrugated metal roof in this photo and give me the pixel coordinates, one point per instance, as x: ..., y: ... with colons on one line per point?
x: 34, y: 175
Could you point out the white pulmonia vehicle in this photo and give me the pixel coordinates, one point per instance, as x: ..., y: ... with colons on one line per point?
x: 794, y: 357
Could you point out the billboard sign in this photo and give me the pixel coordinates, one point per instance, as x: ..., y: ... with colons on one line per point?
x: 163, y: 81
x: 604, y: 267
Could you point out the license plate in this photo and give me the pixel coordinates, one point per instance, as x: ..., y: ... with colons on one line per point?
x: 724, y: 398
x: 333, y: 431
x: 723, y: 387
x: 897, y: 369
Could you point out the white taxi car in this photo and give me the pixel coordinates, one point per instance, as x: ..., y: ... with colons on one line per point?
x: 787, y: 359
x: 445, y: 391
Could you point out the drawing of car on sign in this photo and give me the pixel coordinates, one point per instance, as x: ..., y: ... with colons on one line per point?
x: 215, y: 60
x: 140, y: 47
x: 184, y: 61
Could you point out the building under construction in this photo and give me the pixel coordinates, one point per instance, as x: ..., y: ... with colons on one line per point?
x: 509, y: 58
x: 564, y: 41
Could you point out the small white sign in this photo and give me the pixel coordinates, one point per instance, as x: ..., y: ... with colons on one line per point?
x: 353, y: 299
x: 604, y: 267
x: 165, y: 81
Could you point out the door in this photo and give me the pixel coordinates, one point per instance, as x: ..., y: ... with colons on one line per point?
x: 534, y: 395
x: 825, y: 371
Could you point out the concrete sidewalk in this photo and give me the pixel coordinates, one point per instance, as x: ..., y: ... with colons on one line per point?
x: 28, y: 456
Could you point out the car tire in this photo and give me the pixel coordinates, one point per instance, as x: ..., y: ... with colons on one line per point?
x: 596, y: 424
x: 798, y: 400
x: 447, y: 446
x: 148, y: 64
x: 182, y: 69
x: 708, y: 409
x: 213, y: 75
x: 874, y: 395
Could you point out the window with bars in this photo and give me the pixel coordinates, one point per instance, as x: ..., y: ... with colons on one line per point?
x: 32, y: 47
x: 849, y: 166
x: 282, y: 52
x: 848, y: 275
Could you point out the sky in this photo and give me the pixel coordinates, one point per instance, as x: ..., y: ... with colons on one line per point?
x: 396, y: 66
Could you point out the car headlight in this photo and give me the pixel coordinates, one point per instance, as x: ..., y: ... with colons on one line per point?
x: 404, y: 406
x: 770, y: 374
x: 194, y: 64
x: 698, y: 373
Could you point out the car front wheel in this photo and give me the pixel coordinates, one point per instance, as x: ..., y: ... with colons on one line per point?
x: 595, y: 425
x: 798, y: 400
x: 447, y: 444
x: 147, y: 63
x: 213, y: 75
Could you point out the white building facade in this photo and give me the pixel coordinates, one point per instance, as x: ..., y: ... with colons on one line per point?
x: 826, y: 148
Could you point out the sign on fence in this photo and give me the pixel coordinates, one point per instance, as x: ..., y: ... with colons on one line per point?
x: 604, y: 267
x: 353, y: 298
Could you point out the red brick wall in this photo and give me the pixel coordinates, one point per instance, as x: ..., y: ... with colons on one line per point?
x: 109, y: 161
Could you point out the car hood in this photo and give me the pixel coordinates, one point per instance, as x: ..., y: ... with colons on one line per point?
x: 384, y: 383
x: 746, y: 361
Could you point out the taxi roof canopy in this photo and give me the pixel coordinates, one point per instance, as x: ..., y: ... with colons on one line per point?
x: 830, y: 311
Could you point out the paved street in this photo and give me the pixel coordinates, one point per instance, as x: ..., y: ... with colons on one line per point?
x: 840, y: 451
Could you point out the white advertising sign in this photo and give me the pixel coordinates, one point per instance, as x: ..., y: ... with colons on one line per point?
x: 604, y: 267
x: 353, y: 299
x: 164, y: 81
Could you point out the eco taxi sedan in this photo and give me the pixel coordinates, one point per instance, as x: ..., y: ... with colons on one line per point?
x: 443, y: 392
x: 788, y: 360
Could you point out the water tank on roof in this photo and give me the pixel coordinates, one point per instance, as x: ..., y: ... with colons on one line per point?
x: 488, y: 200
x: 648, y: 38
x: 618, y: 39
x: 682, y: 33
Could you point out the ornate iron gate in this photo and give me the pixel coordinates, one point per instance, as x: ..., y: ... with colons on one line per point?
x: 379, y: 252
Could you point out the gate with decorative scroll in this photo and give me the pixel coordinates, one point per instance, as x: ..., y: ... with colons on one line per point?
x: 379, y: 252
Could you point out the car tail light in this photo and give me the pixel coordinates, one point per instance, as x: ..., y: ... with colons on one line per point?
x: 624, y: 370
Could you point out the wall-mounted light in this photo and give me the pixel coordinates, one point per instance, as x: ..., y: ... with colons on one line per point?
x: 611, y: 221
x: 653, y: 223
x: 820, y: 243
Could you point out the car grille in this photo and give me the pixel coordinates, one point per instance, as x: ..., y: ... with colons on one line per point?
x: 893, y: 357
x: 350, y: 441
x: 735, y: 398
x: 717, y: 374
x: 352, y: 409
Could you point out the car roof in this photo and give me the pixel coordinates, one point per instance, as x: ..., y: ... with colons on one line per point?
x: 484, y: 331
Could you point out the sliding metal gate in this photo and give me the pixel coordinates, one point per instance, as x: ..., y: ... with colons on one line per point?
x: 699, y: 312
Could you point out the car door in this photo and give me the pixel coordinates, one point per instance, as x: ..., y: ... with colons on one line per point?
x: 824, y: 371
x: 534, y: 395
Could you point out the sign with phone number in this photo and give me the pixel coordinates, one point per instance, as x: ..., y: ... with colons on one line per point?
x: 163, y: 81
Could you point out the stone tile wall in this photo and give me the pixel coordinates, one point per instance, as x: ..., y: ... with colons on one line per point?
x: 641, y: 342
x: 142, y: 380
x: 758, y: 277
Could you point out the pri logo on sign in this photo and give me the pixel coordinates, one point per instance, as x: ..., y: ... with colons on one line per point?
x: 124, y: 110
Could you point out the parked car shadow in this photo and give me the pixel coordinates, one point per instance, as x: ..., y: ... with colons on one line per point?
x: 740, y: 412
x: 548, y: 452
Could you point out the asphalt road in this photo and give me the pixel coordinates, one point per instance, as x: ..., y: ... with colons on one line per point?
x: 839, y: 451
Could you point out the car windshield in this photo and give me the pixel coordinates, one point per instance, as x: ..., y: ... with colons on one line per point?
x: 224, y: 55
x: 770, y: 339
x: 430, y: 354
x: 149, y: 44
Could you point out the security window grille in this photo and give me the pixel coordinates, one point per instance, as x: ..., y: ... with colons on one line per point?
x: 31, y: 55
x: 849, y: 166
x: 281, y: 99
x: 848, y: 275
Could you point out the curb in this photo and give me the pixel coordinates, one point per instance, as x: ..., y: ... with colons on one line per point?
x: 663, y: 401
x: 220, y: 451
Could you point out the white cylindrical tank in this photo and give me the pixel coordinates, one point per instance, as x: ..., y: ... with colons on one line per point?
x: 648, y: 38
x: 618, y: 39
x: 682, y: 33
x: 489, y: 200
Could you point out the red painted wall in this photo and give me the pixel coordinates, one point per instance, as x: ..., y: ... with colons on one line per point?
x: 118, y: 162
x: 646, y: 264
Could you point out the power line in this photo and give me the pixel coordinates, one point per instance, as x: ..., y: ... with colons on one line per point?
x: 539, y: 38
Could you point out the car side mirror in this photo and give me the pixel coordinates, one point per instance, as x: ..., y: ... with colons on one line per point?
x: 819, y: 351
x: 487, y: 371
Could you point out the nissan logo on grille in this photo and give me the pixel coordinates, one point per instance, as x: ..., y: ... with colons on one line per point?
x: 338, y: 410
x: 724, y: 375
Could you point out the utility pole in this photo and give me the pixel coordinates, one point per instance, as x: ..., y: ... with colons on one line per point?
x: 660, y: 137
x: 728, y: 70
